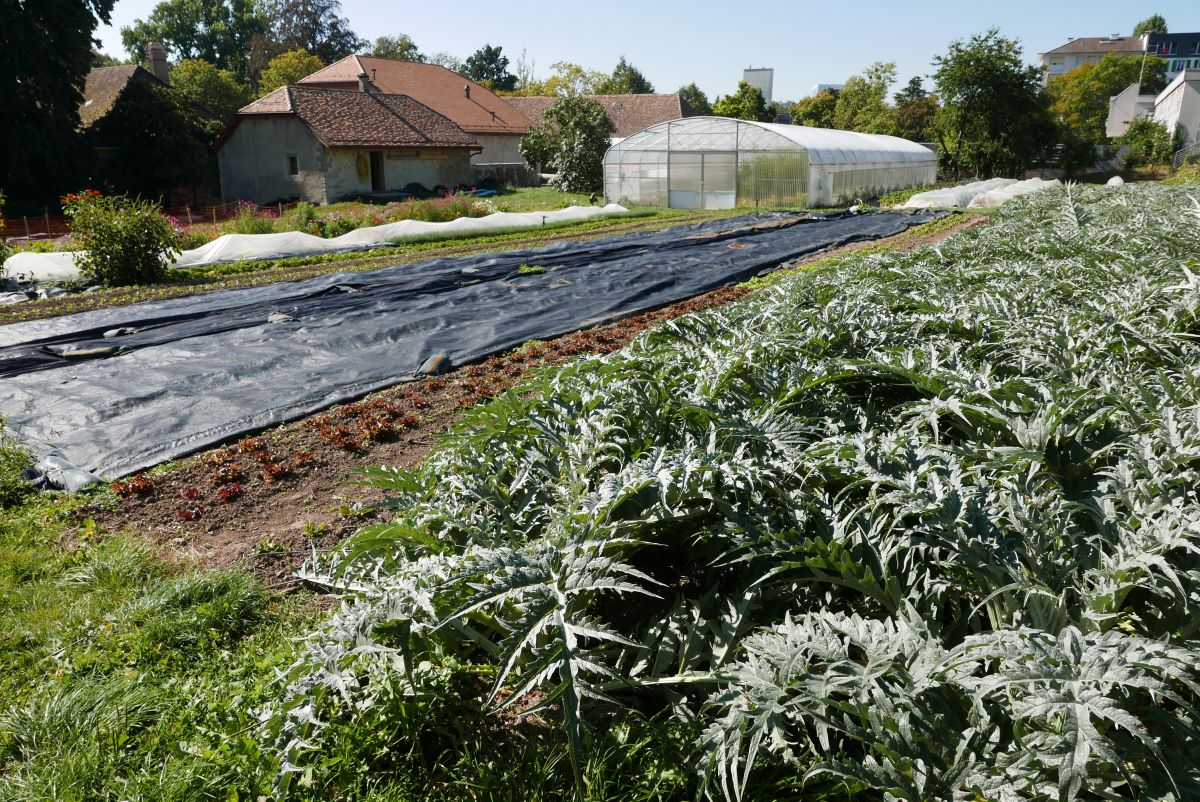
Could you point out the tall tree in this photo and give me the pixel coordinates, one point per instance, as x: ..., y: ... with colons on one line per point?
x: 566, y: 80
x: 994, y: 118
x: 314, y: 25
x: 571, y: 142
x: 695, y: 97
x: 815, y: 111
x: 626, y: 79
x: 1151, y: 24
x: 862, y: 103
x: 287, y: 68
x: 447, y: 60
x: 489, y: 66
x: 400, y: 48
x: 45, y: 57
x: 217, y: 31
x: 916, y: 111
x: 747, y: 103
x: 217, y: 90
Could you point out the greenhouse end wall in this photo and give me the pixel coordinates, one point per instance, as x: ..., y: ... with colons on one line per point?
x: 716, y: 162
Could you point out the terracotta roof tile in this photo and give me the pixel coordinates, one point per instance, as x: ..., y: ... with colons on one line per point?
x: 344, y: 119
x: 629, y: 113
x: 435, y: 86
x: 104, y: 86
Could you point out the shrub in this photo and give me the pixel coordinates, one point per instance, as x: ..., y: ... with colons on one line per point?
x: 303, y: 218
x: 1149, y: 143
x: 14, y: 458
x: 250, y: 220
x: 126, y: 240
x: 5, y: 249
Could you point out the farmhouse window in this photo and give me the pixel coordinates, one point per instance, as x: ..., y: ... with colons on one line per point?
x: 293, y: 165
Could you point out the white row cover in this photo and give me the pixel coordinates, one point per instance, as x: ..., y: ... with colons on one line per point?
x: 1001, y: 196
x: 48, y: 267
x: 978, y: 194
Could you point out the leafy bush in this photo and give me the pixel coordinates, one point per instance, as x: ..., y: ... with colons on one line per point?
x: 571, y: 143
x: 250, y: 219
x: 1149, y: 143
x: 14, y: 458
x: 926, y: 522
x: 303, y: 217
x: 126, y: 241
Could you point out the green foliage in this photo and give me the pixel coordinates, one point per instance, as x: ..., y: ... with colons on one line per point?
x: 747, y: 103
x: 916, y: 112
x: 994, y: 118
x: 5, y: 248
x: 14, y: 458
x: 911, y: 526
x: 125, y: 241
x: 572, y: 143
x: 216, y: 31
x: 220, y: 91
x: 288, y: 68
x: 250, y: 219
x: 1152, y: 24
x: 566, y: 80
x: 489, y: 66
x: 695, y: 98
x: 313, y: 26
x: 47, y: 54
x: 1148, y: 143
x: 626, y: 79
x: 862, y: 103
x: 816, y: 111
x: 1079, y: 98
x: 400, y: 47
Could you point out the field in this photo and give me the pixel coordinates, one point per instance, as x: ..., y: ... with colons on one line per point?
x: 903, y: 524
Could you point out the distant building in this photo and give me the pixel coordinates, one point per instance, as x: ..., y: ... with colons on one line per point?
x: 1088, y: 50
x: 1177, y: 108
x: 1126, y: 107
x: 1181, y: 51
x: 819, y: 88
x: 762, y: 79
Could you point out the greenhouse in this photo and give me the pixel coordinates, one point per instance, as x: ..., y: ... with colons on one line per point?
x: 720, y: 163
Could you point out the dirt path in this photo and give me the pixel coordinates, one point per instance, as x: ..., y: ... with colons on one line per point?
x: 267, y: 502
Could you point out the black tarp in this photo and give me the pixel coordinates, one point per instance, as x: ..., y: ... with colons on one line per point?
x: 192, y: 372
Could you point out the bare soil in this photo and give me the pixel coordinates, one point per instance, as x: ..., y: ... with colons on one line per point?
x: 269, y: 501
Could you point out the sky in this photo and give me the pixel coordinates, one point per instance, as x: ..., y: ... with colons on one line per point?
x: 674, y: 42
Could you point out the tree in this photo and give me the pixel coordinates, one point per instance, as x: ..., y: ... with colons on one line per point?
x: 100, y: 59
x: 816, y: 111
x: 626, y: 79
x: 288, y: 68
x: 489, y: 66
x: 994, y: 118
x: 747, y: 103
x: 916, y: 111
x: 444, y: 59
x: 566, y: 80
x: 1148, y: 143
x: 45, y: 56
x: 862, y: 103
x: 1151, y: 24
x: 216, y: 31
x: 314, y: 25
x: 218, y: 90
x: 1079, y: 98
x: 571, y: 142
x: 400, y: 48
x: 696, y: 99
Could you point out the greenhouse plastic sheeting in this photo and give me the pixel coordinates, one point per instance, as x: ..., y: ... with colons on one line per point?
x: 192, y: 372
x: 61, y: 266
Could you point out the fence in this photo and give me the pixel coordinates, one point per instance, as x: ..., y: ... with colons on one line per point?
x: 49, y: 226
x: 1192, y: 151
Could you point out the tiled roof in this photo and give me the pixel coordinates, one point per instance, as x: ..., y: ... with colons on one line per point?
x: 629, y: 113
x: 345, y: 119
x: 1101, y: 44
x: 435, y: 86
x: 104, y: 86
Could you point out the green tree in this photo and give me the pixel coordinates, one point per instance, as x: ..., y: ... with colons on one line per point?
x: 916, y: 111
x: 45, y: 56
x: 100, y: 59
x: 287, y: 68
x: 218, y: 90
x: 747, y: 103
x: 994, y: 118
x: 216, y: 31
x: 566, y: 80
x: 862, y: 103
x: 489, y: 66
x: 571, y: 142
x: 401, y: 48
x: 313, y: 25
x: 626, y: 79
x: 1079, y: 98
x: 696, y: 99
x: 1148, y: 144
x: 815, y: 111
x: 1151, y: 24
x: 447, y: 60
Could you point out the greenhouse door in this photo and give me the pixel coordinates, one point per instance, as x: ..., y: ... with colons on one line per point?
x: 702, y: 181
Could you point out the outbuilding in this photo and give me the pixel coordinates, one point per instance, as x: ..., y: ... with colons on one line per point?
x: 720, y: 163
x: 322, y: 145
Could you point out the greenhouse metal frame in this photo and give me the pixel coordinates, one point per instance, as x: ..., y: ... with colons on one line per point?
x: 722, y: 163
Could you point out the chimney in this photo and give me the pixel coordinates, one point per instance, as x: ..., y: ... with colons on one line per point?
x: 467, y: 91
x: 156, y: 54
x: 364, y: 83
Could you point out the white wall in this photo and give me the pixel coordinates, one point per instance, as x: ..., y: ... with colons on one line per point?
x: 253, y: 161
x: 1125, y: 108
x: 1178, y: 107
x: 498, y: 149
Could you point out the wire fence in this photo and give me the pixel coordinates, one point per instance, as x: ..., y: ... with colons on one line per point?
x: 50, y: 226
x: 1189, y: 153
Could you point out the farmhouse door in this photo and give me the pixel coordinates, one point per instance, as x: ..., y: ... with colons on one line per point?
x: 378, y: 184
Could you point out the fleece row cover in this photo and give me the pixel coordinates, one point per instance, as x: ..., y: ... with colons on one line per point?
x: 192, y: 372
